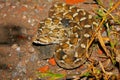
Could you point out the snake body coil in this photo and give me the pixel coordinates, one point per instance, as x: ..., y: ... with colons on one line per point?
x: 70, y: 28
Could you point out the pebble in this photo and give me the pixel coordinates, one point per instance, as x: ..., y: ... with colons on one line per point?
x: 50, y: 0
x: 10, y: 55
x: 14, y: 46
x: 33, y: 57
x: 32, y: 24
x: 1, y: 6
x: 18, y: 49
x: 24, y: 17
x: 14, y: 74
x: 117, y: 28
x: 31, y: 49
x: 36, y: 11
x: 21, y: 68
x: 13, y: 7
x: 4, y: 15
x: 25, y: 6
x: 29, y: 20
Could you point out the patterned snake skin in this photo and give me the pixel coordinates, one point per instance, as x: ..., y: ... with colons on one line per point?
x: 70, y: 28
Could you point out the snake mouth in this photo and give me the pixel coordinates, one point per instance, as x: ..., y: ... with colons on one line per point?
x: 38, y: 42
x: 45, y: 41
x: 42, y: 42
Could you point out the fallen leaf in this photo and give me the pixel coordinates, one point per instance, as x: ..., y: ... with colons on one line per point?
x: 73, y: 1
x: 43, y: 69
x: 100, y: 51
x: 51, y: 75
x: 52, y: 61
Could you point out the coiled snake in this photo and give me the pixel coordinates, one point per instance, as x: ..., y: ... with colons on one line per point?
x: 70, y: 28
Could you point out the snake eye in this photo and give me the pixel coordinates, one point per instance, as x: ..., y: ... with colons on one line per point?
x: 65, y: 22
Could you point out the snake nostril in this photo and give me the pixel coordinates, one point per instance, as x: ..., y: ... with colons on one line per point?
x: 65, y: 22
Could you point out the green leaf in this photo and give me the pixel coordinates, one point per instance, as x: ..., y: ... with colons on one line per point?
x: 50, y: 75
x: 86, y: 74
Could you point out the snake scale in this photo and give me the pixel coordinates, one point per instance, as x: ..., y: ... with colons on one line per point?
x: 70, y: 28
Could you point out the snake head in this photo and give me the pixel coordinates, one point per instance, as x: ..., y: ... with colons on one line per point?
x: 51, y: 31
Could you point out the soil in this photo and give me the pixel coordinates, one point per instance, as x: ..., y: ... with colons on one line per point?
x: 20, y: 59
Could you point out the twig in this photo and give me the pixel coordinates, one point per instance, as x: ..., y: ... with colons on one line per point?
x: 109, y: 73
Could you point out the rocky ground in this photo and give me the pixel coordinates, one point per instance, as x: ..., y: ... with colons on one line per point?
x: 21, y: 60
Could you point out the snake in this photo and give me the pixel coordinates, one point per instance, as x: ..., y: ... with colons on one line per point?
x: 70, y: 28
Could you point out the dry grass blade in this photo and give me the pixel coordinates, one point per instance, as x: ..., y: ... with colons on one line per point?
x: 109, y: 73
x: 103, y: 44
x: 101, y: 23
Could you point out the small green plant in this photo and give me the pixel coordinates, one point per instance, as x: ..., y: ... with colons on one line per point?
x: 50, y: 75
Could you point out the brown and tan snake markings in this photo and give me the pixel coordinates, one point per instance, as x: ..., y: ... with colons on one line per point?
x: 70, y: 28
